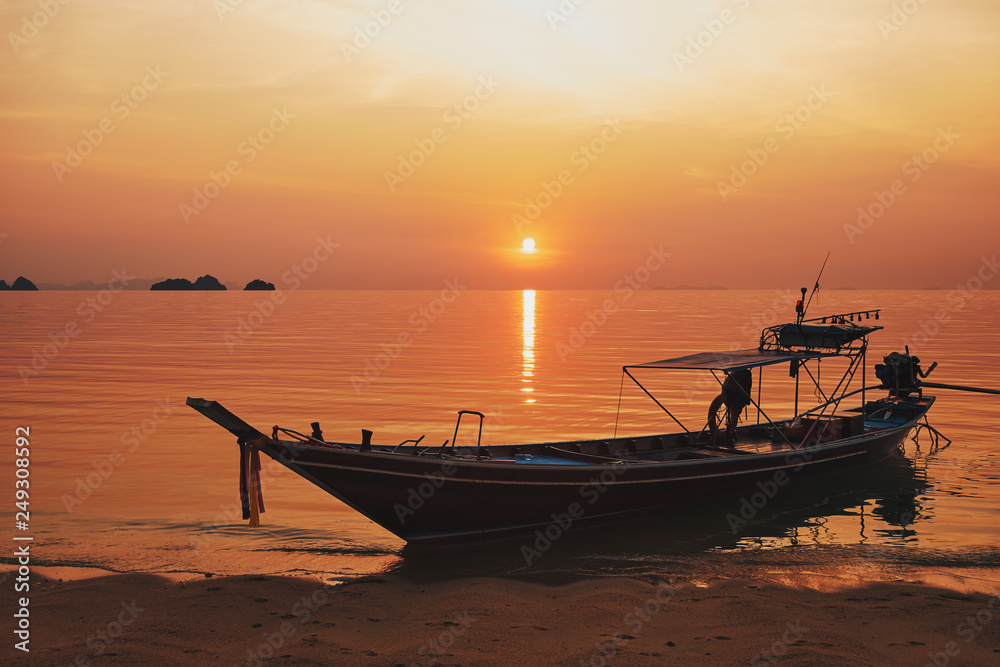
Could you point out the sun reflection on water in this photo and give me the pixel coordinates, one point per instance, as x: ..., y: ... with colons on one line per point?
x: 528, y: 340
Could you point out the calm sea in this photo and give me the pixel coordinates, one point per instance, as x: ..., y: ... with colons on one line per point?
x: 125, y: 477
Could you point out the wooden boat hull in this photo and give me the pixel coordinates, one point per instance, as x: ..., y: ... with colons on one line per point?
x: 432, y: 498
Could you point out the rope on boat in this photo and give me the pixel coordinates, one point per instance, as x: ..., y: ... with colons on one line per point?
x: 302, y: 437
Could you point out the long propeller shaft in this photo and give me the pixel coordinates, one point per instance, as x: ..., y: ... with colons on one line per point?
x: 956, y: 387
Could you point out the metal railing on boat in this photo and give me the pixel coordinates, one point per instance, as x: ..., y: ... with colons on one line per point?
x: 479, y: 441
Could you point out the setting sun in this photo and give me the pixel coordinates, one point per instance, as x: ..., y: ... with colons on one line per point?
x: 528, y: 245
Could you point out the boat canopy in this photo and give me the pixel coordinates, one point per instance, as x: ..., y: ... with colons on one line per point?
x: 792, y: 343
x: 731, y: 361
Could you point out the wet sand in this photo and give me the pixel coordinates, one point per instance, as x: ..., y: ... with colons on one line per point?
x: 251, y: 620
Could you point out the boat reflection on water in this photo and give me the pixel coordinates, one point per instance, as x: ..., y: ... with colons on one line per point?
x: 875, y: 508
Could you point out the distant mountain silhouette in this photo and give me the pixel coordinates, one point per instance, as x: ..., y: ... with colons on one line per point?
x: 21, y: 284
x: 258, y: 284
x: 206, y: 282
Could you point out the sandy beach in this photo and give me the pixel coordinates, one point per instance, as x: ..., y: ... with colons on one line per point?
x: 132, y: 619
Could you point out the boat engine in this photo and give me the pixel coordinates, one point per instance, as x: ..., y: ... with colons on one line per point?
x: 901, y: 373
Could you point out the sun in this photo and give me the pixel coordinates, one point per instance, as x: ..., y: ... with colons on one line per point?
x: 528, y: 245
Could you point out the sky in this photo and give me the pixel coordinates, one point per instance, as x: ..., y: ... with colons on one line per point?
x: 400, y: 144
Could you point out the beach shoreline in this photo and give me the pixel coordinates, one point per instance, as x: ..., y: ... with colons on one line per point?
x: 119, y: 619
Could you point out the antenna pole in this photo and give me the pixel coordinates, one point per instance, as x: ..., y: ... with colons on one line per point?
x: 816, y: 286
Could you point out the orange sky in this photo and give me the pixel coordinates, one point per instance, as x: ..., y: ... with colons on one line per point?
x: 160, y: 95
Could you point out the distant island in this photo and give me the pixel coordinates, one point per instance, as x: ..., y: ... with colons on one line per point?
x: 206, y: 282
x: 22, y: 284
x: 258, y: 284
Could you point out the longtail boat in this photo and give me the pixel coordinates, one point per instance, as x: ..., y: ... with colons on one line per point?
x: 422, y: 493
